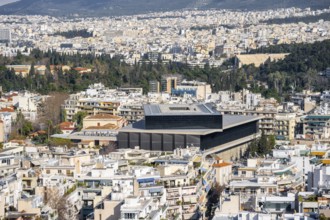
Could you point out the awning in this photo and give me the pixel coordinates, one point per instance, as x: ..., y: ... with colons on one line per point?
x: 208, y: 187
x: 155, y: 190
x: 35, y: 162
x: 146, y: 180
x: 204, y: 169
x: 187, y: 199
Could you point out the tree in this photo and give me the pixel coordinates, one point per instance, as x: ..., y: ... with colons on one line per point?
x: 52, y: 108
x: 262, y: 146
x: 58, y: 202
x: 32, y: 71
x: 59, y: 142
x: 271, y: 142
x: 21, y: 126
x: 51, y: 112
x: 213, y: 199
x: 78, y: 118
x: 323, y: 217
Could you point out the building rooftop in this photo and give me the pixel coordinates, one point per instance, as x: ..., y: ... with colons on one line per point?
x: 229, y: 121
x: 108, y: 126
x: 223, y: 164
x: 104, y: 116
x: 179, y: 109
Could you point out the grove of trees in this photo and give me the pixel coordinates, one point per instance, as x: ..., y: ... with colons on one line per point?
x: 298, y: 71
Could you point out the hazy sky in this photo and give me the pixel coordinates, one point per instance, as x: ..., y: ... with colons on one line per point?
x: 4, y: 2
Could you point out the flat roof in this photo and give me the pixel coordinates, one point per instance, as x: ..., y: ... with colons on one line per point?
x: 179, y: 109
x: 229, y: 121
x: 103, y: 117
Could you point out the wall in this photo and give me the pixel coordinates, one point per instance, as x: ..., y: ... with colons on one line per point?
x: 111, y: 211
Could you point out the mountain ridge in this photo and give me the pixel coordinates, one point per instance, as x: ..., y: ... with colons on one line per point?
x: 97, y: 8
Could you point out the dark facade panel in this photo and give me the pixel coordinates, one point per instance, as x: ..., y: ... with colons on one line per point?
x: 228, y: 135
x: 193, y: 140
x: 134, y: 140
x: 168, y: 142
x: 183, y: 122
x: 122, y: 140
x: 179, y: 141
x: 156, y: 142
x: 145, y: 141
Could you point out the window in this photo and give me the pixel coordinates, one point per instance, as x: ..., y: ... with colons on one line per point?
x: 129, y: 216
x: 278, y: 206
x: 48, y: 171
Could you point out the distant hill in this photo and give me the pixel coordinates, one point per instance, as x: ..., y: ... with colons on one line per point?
x: 129, y: 7
x: 268, y: 4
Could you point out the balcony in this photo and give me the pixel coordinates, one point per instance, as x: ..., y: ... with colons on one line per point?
x: 88, y: 197
x: 27, y: 187
x: 87, y: 206
x: 173, y: 195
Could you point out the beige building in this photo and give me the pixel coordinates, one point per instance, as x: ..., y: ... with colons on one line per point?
x: 223, y: 172
x: 169, y: 83
x: 105, y: 121
x: 285, y: 126
x: 97, y: 106
x: 24, y: 70
x: 110, y: 210
x: 29, y: 180
x: 54, y: 68
x: 30, y: 205
x: 201, y: 88
x: 267, y: 121
x: 258, y: 59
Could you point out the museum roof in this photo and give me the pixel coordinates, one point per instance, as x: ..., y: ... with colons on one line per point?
x: 179, y: 109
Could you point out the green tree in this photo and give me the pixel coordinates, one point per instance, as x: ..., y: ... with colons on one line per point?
x: 323, y: 217
x: 213, y: 198
x: 270, y: 143
x: 32, y: 70
x: 262, y: 145
x: 78, y: 118
x: 22, y: 127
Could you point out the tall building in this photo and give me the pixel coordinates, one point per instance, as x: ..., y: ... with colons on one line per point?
x: 316, y: 126
x: 154, y: 86
x: 285, y: 126
x: 5, y: 36
x: 168, y: 83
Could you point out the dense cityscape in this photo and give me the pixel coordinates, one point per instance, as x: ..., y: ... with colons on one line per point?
x: 191, y: 114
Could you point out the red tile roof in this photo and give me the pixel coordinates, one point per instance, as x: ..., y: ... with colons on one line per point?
x: 7, y: 110
x: 223, y: 164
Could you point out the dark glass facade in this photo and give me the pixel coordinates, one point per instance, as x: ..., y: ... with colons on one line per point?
x: 228, y: 135
x: 156, y: 142
x: 183, y: 122
x: 168, y: 142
